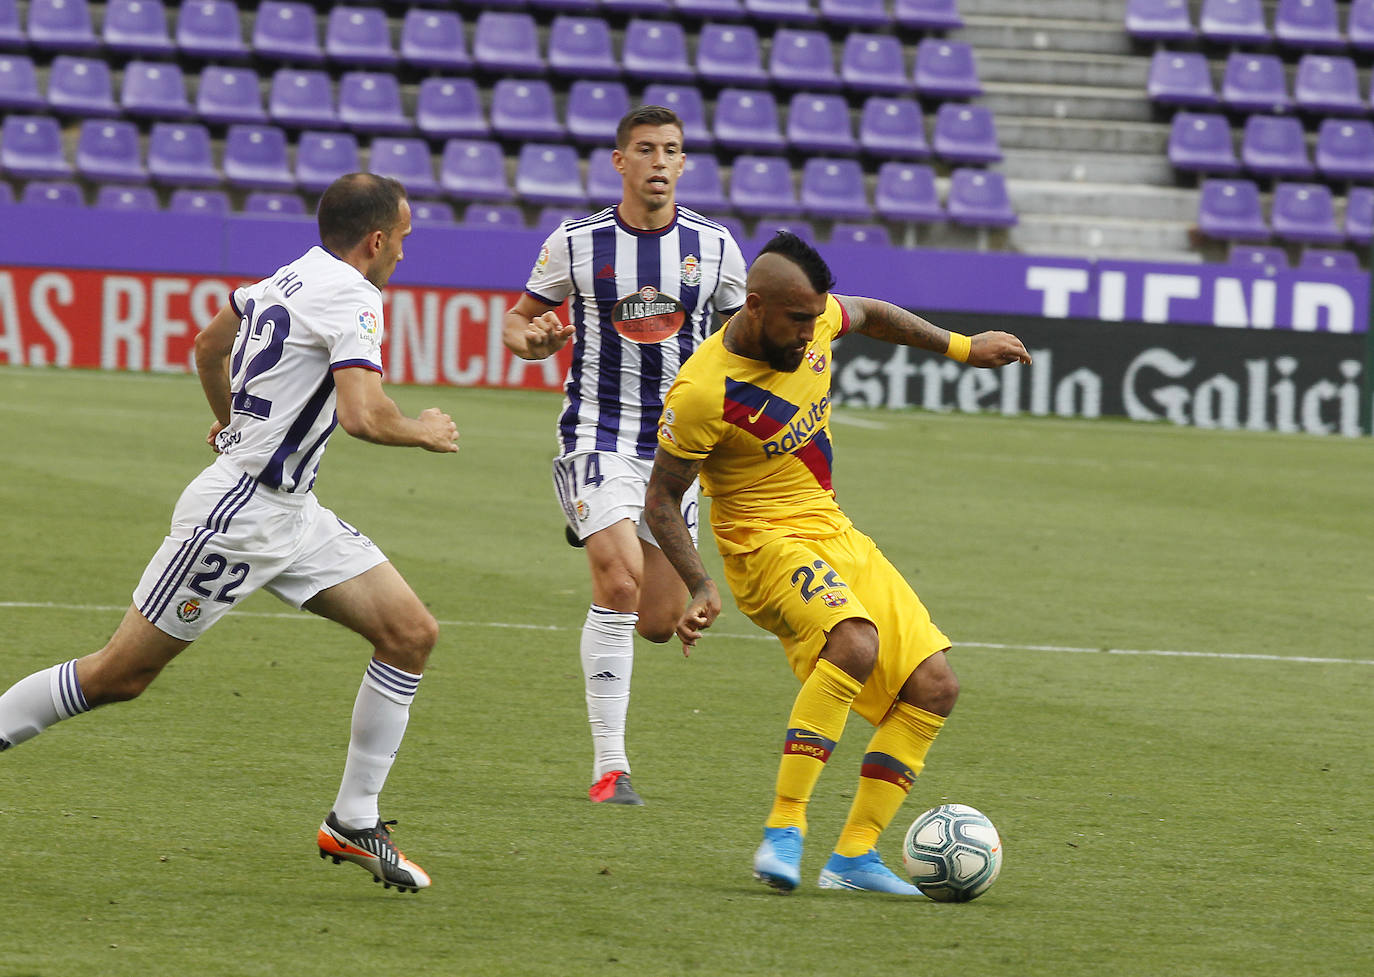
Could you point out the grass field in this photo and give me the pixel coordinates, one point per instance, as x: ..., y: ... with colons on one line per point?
x: 1163, y: 637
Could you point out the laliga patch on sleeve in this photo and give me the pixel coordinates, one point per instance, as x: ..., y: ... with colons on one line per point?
x: 542, y: 265
x: 369, y: 326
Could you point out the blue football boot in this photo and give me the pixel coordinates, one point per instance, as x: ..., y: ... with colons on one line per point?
x: 866, y: 873
x: 778, y: 859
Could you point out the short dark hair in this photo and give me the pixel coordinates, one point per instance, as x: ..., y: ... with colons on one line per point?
x: 645, y: 115
x: 354, y: 206
x: 804, y: 256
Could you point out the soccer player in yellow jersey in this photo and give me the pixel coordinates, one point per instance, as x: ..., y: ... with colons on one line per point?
x: 750, y: 414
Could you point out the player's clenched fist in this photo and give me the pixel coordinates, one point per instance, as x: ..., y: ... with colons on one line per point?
x: 443, y: 433
x: 546, y: 335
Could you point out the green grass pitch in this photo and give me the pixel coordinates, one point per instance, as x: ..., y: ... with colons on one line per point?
x: 1163, y: 636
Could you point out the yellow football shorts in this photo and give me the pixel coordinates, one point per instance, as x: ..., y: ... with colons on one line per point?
x: 801, y: 588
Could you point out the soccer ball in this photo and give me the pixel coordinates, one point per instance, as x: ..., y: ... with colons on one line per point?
x: 952, y: 853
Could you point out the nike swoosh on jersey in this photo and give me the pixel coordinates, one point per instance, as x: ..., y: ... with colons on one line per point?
x: 753, y: 418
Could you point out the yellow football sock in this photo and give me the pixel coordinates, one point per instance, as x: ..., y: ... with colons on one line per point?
x: 813, y: 728
x: 895, y: 756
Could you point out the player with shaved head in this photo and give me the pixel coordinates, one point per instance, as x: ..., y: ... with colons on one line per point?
x: 750, y: 414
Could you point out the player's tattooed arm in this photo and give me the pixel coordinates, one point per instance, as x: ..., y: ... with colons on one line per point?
x: 893, y: 324
x: 671, y: 478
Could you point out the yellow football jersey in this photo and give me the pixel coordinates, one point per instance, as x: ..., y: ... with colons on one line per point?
x: 763, y: 438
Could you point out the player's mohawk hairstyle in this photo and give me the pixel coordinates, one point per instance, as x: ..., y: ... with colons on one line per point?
x: 804, y: 256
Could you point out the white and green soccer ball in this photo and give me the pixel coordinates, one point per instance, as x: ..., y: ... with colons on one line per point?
x: 952, y: 853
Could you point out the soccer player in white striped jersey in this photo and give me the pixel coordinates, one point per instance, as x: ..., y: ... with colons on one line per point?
x: 284, y: 362
x: 646, y: 280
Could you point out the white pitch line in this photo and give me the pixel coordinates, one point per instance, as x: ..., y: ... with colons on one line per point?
x: 760, y: 636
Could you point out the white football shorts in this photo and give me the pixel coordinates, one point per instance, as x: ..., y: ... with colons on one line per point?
x: 599, y: 488
x: 231, y: 535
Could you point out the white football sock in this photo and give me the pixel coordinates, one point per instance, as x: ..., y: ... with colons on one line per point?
x: 34, y: 703
x: 380, y: 714
x: 607, y: 660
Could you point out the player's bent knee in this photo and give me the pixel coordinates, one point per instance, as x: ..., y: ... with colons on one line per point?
x: 657, y: 633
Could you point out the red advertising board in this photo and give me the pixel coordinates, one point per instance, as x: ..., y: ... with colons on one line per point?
x: 135, y: 321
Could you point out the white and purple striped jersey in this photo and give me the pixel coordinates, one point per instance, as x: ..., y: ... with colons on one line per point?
x: 641, y: 302
x: 311, y: 317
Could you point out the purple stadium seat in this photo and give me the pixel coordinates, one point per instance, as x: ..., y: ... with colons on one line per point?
x: 780, y: 11
x: 1309, y: 24
x: 505, y: 217
x: 945, y: 69
x: 710, y: 9
x: 136, y: 27
x: 523, y: 108
x: 820, y: 124
x: 323, y: 157
x: 370, y: 101
x: 657, y: 50
x: 604, y: 186
x: 1322, y: 259
x: 965, y: 134
x: 581, y: 47
x: 844, y: 233
x: 855, y: 13
x: 61, y: 25
x: 1181, y: 78
x: 359, y: 36
x: 1201, y: 142
x: 834, y: 188
x: 927, y: 15
x: 1230, y: 209
x: 747, y: 119
x: 265, y: 203
x: 567, y: 6
x: 906, y: 192
x: 548, y: 174
x: 284, y: 30
x: 474, y: 169
x: 302, y: 97
x: 205, y: 203
x: 769, y: 226
x: 1327, y: 84
x: 19, y: 83
x: 434, y: 39
x: 407, y: 160
x: 554, y: 214
x: 594, y: 110
x: 686, y: 101
x: 873, y: 63
x: 108, y: 150
x: 1306, y: 213
x: 211, y: 29
x: 661, y: 8
x: 802, y: 59
x: 53, y: 193
x: 1264, y: 257
x: 1359, y: 215
x: 1234, y: 22
x: 1274, y: 145
x: 506, y: 43
x: 255, y: 157
x: 1255, y: 83
x: 763, y: 185
x: 431, y: 212
x: 229, y: 95
x: 729, y: 54
x: 893, y: 127
x: 81, y: 86
x: 179, y: 155
x: 1359, y: 25
x: 447, y: 107
x: 979, y: 198
x: 154, y: 90
x: 31, y: 147
x: 1159, y: 20
x: 1345, y: 149
x: 136, y: 199
x: 700, y: 186
x: 11, y: 36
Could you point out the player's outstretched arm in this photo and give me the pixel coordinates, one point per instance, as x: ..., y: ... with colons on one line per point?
x: 893, y: 324
x: 668, y: 482
x: 533, y: 331
x: 367, y: 413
